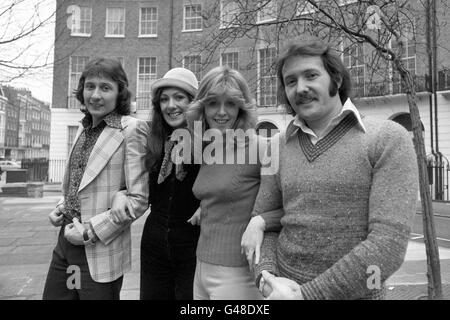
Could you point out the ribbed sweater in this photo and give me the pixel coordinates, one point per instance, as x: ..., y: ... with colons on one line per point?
x: 348, y: 202
x: 227, y: 193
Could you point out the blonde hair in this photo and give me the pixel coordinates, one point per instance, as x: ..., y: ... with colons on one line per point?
x: 218, y: 81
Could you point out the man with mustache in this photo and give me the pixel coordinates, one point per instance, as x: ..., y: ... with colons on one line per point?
x: 347, y: 184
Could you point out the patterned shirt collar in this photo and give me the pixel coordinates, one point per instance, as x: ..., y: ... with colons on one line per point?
x: 112, y: 119
x: 347, y: 108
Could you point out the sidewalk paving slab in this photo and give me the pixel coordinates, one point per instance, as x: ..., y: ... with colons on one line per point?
x: 27, y: 241
x: 414, y: 292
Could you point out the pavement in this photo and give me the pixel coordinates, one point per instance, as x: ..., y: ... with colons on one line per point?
x: 27, y: 241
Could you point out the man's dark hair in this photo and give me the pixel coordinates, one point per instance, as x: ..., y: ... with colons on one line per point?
x: 108, y: 68
x: 331, y: 61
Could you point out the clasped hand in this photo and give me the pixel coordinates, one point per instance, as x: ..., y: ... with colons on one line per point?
x: 279, y: 288
x: 72, y: 235
x: 56, y: 217
x: 121, y: 209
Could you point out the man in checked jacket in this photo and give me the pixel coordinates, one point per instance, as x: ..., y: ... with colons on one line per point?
x: 107, y: 156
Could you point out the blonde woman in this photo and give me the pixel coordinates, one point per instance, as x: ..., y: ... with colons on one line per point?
x: 227, y: 191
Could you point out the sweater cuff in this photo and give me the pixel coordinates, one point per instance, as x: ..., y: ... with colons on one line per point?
x: 311, y: 292
x: 272, y: 219
x: 264, y: 265
x: 258, y: 278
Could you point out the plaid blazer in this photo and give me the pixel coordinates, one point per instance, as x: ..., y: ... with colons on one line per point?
x: 117, y: 162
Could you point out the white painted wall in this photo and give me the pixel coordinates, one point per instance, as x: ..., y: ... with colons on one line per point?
x: 61, y: 120
x: 387, y: 107
x: 277, y: 116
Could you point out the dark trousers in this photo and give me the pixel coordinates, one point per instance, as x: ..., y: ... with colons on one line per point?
x: 61, y: 283
x: 167, y: 262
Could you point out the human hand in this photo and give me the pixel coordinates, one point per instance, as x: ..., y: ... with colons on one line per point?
x: 280, y: 288
x: 56, y: 217
x: 73, y: 235
x: 252, y: 240
x: 264, y: 288
x: 196, y: 217
x: 121, y: 209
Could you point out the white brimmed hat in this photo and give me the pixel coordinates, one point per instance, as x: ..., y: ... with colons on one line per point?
x: 180, y: 78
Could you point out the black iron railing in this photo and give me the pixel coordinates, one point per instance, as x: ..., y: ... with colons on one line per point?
x: 37, y: 169
x: 438, y: 176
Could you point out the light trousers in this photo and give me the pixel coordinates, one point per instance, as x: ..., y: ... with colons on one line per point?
x: 214, y: 282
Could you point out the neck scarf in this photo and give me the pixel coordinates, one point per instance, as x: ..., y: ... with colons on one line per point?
x: 167, y: 164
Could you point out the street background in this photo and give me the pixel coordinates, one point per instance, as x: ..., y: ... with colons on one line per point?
x: 27, y: 240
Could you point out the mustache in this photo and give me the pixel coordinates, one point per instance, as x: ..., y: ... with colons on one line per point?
x: 299, y: 98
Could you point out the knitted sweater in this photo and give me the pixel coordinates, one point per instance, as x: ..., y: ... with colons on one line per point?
x: 348, y: 204
x: 227, y: 193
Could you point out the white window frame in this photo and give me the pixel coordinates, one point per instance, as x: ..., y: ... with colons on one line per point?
x: 72, y: 102
x: 304, y: 7
x: 185, y: 18
x: 346, y: 2
x: 85, y: 21
x: 108, y: 33
x: 405, y: 58
x: 354, y: 63
x: 197, y: 72
x: 152, y: 76
x: 228, y: 18
x: 153, y: 34
x: 271, y: 8
x: 235, y: 54
x: 259, y: 78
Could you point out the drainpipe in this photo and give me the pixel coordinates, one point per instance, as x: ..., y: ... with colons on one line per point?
x: 430, y: 73
x: 439, y: 172
x: 433, y: 32
x: 170, y: 33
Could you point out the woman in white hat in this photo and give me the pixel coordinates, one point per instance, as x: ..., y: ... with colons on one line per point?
x: 168, y: 240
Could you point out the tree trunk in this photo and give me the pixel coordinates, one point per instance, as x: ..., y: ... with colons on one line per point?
x: 433, y: 263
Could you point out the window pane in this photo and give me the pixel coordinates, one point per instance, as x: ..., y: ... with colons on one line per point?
x: 149, y: 21
x: 76, y: 67
x: 267, y: 77
x: 85, y: 20
x: 194, y: 63
x: 146, y: 76
x: 192, y: 17
x: 230, y: 59
x: 115, y: 24
x: 408, y: 56
x: 229, y: 12
x: 353, y: 58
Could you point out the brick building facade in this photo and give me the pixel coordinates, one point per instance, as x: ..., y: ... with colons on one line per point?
x: 24, y: 125
x: 151, y: 36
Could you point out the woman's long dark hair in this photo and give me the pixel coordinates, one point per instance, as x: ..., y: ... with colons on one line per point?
x: 159, y: 131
